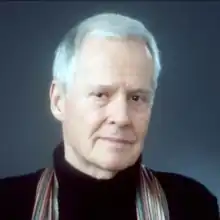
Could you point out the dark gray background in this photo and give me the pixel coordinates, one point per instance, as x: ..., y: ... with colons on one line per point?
x: 185, y: 127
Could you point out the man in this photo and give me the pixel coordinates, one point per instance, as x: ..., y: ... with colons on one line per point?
x: 104, y: 79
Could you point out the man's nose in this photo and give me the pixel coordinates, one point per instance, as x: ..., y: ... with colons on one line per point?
x: 119, y: 112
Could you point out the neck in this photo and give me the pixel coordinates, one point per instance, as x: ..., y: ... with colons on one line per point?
x: 79, y: 163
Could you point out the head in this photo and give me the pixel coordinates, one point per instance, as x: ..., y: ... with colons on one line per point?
x: 104, y: 79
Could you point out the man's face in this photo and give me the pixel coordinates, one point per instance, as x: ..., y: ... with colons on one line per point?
x: 107, y: 108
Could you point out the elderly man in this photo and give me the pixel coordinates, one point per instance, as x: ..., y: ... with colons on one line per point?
x: 104, y: 79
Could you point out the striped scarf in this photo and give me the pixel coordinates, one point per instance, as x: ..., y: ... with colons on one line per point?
x: 151, y: 202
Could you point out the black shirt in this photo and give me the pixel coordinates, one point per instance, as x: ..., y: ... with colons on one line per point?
x: 82, y: 197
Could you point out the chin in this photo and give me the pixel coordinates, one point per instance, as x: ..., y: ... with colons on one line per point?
x: 116, y: 165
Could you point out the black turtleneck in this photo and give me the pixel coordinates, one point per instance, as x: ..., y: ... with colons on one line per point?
x: 84, y: 197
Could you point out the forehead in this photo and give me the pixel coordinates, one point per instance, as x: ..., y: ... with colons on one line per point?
x: 111, y: 61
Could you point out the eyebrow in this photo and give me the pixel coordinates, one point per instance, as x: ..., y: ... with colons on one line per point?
x: 113, y: 88
x: 143, y: 91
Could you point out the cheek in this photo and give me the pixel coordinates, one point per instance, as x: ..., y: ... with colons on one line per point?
x: 94, y: 118
x: 141, y: 122
x: 89, y: 117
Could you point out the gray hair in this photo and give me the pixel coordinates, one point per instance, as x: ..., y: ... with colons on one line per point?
x: 106, y: 25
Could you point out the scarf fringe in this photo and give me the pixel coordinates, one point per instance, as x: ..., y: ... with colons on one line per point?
x: 151, y: 203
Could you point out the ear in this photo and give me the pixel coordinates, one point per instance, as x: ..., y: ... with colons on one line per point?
x: 57, y: 99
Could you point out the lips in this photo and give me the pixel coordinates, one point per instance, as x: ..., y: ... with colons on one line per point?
x: 118, y: 140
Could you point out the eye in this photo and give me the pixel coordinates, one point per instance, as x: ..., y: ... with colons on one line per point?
x: 100, y: 98
x: 140, y: 99
x: 100, y: 95
x: 135, y: 98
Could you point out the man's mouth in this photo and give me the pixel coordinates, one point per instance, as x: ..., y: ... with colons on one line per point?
x: 118, y: 140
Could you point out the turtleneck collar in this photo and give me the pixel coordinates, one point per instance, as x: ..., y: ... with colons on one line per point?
x: 84, y: 197
x: 124, y: 183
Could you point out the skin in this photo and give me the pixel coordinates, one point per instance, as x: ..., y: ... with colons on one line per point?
x: 105, y: 113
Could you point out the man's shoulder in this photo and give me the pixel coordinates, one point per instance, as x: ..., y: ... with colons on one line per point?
x: 186, y: 193
x: 181, y: 183
x: 20, y: 181
x: 17, y: 195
